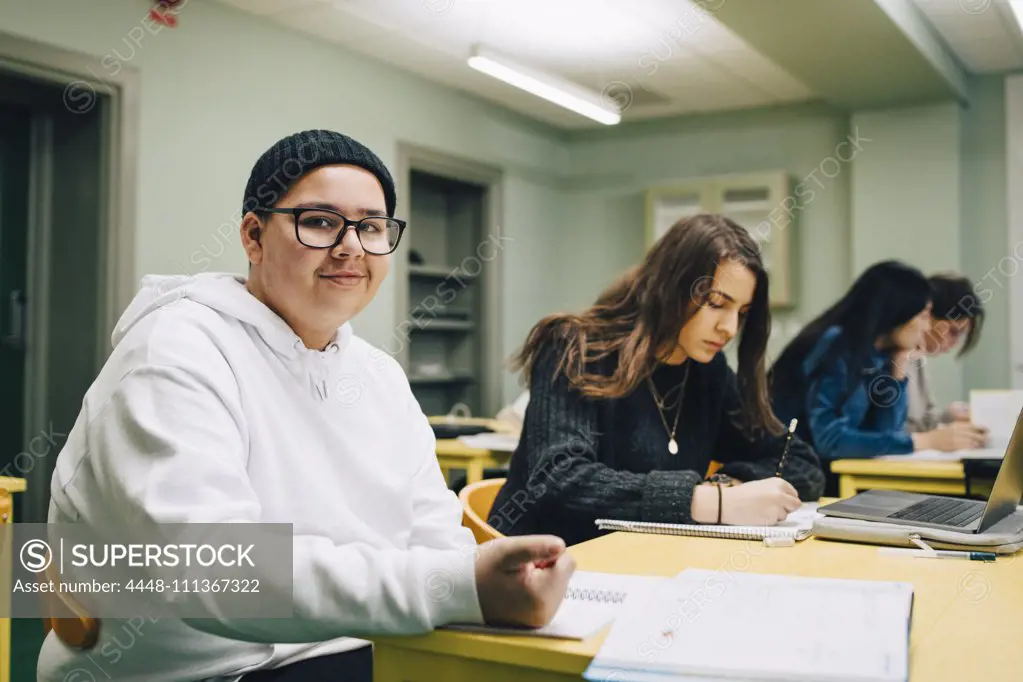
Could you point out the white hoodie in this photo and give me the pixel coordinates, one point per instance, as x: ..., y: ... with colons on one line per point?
x: 211, y: 409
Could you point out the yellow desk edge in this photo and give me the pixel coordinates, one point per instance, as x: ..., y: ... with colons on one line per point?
x: 11, y: 485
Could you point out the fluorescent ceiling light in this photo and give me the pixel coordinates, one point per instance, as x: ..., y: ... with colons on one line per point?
x: 551, y: 88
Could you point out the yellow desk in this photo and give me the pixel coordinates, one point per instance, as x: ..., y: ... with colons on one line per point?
x: 10, y: 485
x: 454, y: 454
x: 967, y: 616
x: 916, y: 476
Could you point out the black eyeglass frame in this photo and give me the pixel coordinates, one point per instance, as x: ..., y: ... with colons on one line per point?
x: 345, y: 224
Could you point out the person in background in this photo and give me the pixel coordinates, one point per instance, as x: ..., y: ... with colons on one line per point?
x: 631, y: 400
x: 844, y: 375
x: 233, y: 399
x: 956, y: 315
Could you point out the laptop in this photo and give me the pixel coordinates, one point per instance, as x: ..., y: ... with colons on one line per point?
x: 940, y: 511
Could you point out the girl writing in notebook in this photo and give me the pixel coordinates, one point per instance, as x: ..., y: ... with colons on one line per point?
x: 632, y: 399
x: 844, y: 375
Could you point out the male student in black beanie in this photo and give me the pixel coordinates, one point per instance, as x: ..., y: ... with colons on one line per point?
x: 235, y: 399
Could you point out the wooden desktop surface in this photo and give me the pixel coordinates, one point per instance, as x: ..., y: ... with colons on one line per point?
x: 967, y: 616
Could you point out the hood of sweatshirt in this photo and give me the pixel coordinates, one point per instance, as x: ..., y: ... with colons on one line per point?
x: 226, y: 294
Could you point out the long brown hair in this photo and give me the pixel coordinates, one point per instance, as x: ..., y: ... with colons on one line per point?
x: 641, y: 314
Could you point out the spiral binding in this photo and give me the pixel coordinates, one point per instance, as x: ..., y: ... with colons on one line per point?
x: 589, y: 594
x: 726, y: 532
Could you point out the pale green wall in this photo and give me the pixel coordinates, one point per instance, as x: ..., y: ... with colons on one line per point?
x: 924, y: 184
x: 905, y: 202
x: 224, y: 85
x: 614, y: 167
x: 984, y: 228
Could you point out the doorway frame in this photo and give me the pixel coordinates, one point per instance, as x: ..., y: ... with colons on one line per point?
x: 417, y: 157
x: 78, y: 72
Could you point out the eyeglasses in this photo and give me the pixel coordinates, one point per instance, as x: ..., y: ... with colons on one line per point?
x: 321, y: 228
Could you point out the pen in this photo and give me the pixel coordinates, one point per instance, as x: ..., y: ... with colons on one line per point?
x: 785, y: 451
x: 940, y: 554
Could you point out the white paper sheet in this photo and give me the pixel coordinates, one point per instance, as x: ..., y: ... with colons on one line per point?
x: 998, y: 411
x: 939, y: 456
x: 499, y: 442
x: 748, y: 626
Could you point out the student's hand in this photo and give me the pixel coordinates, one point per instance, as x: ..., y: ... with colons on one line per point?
x: 757, y: 503
x: 521, y: 580
x: 951, y: 437
x: 959, y: 411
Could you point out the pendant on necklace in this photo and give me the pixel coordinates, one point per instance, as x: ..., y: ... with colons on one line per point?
x: 673, y: 447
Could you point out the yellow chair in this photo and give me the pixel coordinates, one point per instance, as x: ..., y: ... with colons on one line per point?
x: 79, y: 632
x: 477, y: 499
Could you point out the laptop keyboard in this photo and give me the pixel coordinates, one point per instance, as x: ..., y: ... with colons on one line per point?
x: 947, y: 512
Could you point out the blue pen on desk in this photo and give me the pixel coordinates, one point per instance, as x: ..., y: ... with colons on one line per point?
x: 939, y: 554
x: 785, y: 451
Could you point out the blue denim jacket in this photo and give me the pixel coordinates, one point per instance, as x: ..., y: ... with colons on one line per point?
x: 850, y: 412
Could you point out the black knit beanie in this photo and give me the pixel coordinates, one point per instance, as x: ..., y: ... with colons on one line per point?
x: 289, y: 159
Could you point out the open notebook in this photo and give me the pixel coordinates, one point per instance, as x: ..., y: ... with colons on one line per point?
x: 591, y: 602
x: 714, y: 625
x: 798, y: 525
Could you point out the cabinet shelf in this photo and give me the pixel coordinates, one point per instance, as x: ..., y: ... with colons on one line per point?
x: 439, y: 325
x: 427, y: 379
x: 447, y: 322
x: 439, y: 272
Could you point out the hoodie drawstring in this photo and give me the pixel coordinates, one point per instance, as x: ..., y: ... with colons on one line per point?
x: 316, y: 368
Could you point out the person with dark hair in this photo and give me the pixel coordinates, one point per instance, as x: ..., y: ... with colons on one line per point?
x: 957, y: 314
x: 229, y: 399
x: 844, y: 375
x: 633, y: 399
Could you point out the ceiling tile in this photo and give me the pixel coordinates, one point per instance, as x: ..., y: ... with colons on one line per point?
x: 605, y: 45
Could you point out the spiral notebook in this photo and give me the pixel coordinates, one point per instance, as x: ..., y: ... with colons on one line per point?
x: 591, y: 602
x: 727, y: 625
x: 798, y: 526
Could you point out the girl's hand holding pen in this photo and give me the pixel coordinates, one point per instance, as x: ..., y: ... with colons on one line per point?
x: 757, y: 503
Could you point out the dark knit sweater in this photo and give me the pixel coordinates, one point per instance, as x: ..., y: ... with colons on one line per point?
x: 581, y: 459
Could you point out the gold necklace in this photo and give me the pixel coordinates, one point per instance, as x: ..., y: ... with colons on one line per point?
x: 672, y: 443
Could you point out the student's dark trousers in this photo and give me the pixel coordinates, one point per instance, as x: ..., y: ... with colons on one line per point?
x: 347, y: 666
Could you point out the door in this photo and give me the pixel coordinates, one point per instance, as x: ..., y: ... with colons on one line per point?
x: 15, y: 125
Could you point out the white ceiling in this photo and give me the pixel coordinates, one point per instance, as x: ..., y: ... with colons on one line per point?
x: 983, y: 33
x: 654, y: 57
